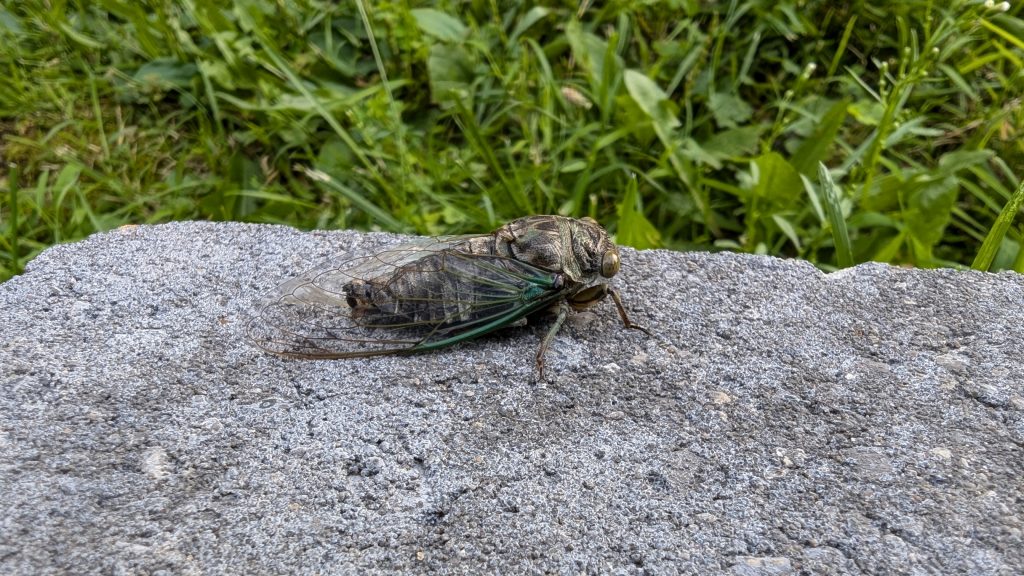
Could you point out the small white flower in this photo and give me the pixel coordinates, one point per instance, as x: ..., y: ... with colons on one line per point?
x: 576, y: 98
x: 315, y: 174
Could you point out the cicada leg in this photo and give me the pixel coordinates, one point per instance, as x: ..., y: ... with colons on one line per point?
x: 563, y: 313
x: 594, y: 294
x: 580, y: 301
x: 622, y: 313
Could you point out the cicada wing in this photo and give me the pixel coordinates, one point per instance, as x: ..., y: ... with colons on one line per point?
x: 408, y: 298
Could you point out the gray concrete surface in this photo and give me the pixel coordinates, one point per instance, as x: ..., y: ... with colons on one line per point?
x: 783, y: 421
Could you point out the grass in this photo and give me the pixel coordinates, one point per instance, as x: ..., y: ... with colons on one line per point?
x: 835, y: 133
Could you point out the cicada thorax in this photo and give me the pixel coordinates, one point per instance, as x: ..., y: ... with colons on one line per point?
x: 578, y: 250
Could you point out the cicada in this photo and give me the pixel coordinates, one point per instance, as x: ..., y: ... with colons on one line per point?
x: 440, y: 291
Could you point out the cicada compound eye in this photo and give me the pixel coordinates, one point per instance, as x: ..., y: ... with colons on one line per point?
x: 610, y: 263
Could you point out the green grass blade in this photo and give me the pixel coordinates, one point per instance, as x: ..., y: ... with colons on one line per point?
x: 396, y: 115
x: 301, y: 88
x: 360, y: 200
x: 840, y: 236
x: 990, y: 247
x: 13, y: 177
x: 484, y: 148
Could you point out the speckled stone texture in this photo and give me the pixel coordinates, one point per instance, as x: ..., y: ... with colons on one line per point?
x: 781, y: 421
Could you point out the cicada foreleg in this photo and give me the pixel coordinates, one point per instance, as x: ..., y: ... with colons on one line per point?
x: 594, y: 294
x: 622, y: 313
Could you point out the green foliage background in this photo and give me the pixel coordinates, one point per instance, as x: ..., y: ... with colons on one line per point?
x: 677, y: 123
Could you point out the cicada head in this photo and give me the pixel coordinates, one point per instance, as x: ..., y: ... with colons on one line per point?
x: 600, y: 254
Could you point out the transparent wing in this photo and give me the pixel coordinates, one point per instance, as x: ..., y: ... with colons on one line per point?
x: 409, y: 298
